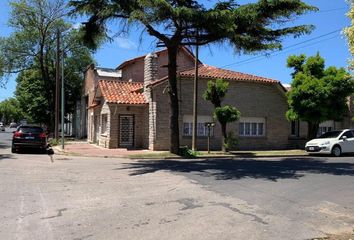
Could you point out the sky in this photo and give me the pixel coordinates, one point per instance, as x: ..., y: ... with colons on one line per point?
x: 327, y: 39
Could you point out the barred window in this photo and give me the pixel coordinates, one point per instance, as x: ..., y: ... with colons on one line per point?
x: 251, y: 127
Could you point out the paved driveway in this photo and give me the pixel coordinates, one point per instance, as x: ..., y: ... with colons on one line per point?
x: 102, y: 198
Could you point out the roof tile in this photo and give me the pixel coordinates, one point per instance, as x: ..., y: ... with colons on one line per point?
x: 205, y: 71
x: 122, y: 92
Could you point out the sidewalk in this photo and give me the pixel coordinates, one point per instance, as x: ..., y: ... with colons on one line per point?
x: 92, y: 150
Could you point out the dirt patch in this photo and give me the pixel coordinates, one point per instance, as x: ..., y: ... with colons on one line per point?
x: 344, y: 236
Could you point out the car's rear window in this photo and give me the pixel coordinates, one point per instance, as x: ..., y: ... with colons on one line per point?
x: 31, y: 129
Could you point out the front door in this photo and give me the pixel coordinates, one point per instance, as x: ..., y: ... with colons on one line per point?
x: 126, y: 131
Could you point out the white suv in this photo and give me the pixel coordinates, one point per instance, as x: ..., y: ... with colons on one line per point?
x: 333, y: 142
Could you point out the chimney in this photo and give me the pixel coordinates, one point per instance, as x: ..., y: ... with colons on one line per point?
x: 150, y: 69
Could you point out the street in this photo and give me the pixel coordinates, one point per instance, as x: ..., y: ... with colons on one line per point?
x: 102, y: 198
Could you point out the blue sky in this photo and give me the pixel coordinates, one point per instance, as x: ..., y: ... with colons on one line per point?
x: 329, y: 21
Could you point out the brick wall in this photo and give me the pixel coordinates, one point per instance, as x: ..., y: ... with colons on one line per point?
x: 252, y: 99
x: 135, y: 70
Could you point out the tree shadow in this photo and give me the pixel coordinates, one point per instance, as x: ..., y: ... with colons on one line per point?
x: 234, y: 169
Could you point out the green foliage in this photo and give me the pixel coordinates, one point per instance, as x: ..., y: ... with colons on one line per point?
x: 349, y: 32
x: 31, y: 51
x: 231, y: 142
x: 10, y: 111
x: 55, y: 142
x: 318, y: 93
x: 186, y: 152
x: 216, y: 91
x: 226, y: 114
x: 248, y: 28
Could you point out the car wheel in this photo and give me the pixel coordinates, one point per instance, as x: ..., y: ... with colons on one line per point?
x: 13, y: 150
x: 336, y: 151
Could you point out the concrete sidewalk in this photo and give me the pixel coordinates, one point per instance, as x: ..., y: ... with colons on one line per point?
x: 92, y: 150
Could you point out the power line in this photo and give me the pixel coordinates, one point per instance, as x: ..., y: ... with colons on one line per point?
x: 291, y: 46
x: 279, y: 53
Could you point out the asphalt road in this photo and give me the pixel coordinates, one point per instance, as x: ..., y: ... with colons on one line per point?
x: 6, y: 137
x: 100, y: 198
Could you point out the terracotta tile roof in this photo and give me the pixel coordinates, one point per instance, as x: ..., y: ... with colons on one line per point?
x: 206, y: 71
x: 210, y: 72
x: 122, y: 92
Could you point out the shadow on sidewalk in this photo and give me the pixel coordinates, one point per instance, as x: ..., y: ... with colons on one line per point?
x: 229, y: 169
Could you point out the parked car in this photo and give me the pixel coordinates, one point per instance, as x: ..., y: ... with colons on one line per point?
x: 28, y: 136
x: 13, y: 125
x: 2, y: 127
x: 333, y: 142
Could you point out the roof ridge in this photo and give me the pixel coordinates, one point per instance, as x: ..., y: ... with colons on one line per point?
x: 117, y: 81
x: 233, y: 71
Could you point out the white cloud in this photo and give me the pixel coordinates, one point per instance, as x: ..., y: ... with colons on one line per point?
x: 125, y: 43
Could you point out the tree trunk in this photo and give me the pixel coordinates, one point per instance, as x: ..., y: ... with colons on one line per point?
x: 174, y: 108
x: 223, y: 131
x: 312, y: 130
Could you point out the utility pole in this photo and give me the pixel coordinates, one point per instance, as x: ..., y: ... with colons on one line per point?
x: 195, y: 98
x: 62, y: 96
x: 57, y: 88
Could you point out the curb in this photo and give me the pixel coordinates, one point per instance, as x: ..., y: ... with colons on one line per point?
x: 59, y: 151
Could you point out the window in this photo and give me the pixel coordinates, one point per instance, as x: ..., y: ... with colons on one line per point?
x: 202, y: 130
x: 251, y: 127
x: 295, y: 128
x: 325, y: 127
x: 348, y: 134
x: 104, y: 123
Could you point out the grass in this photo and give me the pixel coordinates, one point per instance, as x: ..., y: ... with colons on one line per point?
x: 164, y: 154
x: 202, y: 154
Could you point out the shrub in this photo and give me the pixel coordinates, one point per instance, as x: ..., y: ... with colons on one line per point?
x: 187, y: 152
x: 231, y: 142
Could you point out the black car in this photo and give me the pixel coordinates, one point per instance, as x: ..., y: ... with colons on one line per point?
x: 33, y: 137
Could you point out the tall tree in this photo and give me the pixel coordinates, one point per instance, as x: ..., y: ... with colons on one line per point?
x: 317, y: 93
x: 31, y: 49
x: 248, y: 28
x: 215, y: 93
x: 349, y: 32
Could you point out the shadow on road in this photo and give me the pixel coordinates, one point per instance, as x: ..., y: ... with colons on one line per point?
x: 229, y: 169
x: 5, y: 156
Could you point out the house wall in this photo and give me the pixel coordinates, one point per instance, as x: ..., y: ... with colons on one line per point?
x: 135, y: 70
x: 252, y: 99
x: 140, y: 125
x: 89, y: 89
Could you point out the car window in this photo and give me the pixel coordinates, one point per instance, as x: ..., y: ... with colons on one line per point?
x: 331, y: 134
x: 348, y: 134
x: 31, y: 129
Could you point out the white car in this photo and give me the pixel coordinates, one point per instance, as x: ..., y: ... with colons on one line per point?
x: 2, y: 127
x: 333, y: 142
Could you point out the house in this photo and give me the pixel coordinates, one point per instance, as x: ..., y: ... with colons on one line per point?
x: 92, y: 75
x: 127, y: 107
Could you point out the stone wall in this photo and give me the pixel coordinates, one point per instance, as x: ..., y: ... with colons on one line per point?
x: 140, y: 124
x: 252, y: 99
